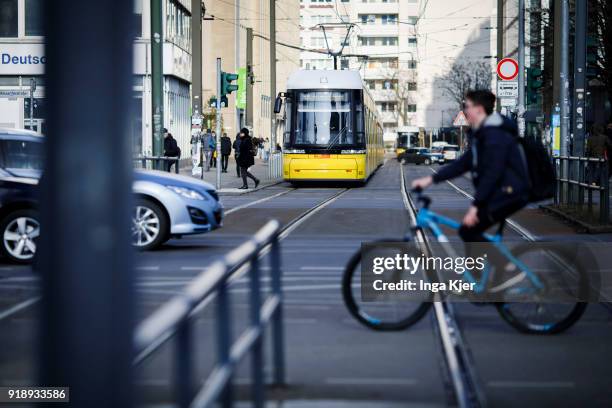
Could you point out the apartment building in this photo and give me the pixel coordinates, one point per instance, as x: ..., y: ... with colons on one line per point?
x: 404, y: 49
x: 225, y: 37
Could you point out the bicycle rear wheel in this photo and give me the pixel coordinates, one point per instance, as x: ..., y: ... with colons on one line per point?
x: 561, y: 304
x: 384, y: 313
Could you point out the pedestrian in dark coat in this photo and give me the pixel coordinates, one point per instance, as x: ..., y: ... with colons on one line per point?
x: 246, y: 158
x: 236, y: 146
x: 226, y: 150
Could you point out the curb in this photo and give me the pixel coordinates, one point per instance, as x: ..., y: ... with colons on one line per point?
x: 588, y: 228
x: 238, y: 192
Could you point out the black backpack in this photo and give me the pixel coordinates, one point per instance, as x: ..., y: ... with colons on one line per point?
x: 542, y: 174
x: 174, y: 150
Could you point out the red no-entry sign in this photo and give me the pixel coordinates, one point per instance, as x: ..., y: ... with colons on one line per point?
x: 507, y: 69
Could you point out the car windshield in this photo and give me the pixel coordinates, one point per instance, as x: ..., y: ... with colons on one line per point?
x: 324, y: 118
x: 22, y: 155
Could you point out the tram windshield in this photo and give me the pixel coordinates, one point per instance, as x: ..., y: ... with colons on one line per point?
x: 325, y: 119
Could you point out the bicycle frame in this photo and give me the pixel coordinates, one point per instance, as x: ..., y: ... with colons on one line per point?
x: 429, y: 220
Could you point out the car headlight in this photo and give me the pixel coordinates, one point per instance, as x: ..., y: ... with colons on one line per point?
x: 187, y: 193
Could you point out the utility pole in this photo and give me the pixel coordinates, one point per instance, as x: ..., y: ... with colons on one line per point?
x: 196, y: 62
x: 580, y: 38
x: 157, y: 78
x: 500, y: 38
x: 248, y: 114
x: 521, y: 69
x: 564, y: 79
x: 272, y: 74
x: 218, y: 131
x: 237, y: 52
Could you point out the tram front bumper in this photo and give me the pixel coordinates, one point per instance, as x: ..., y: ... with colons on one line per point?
x: 334, y: 167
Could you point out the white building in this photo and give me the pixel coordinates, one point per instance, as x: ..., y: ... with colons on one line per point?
x: 409, y: 44
x: 22, y: 61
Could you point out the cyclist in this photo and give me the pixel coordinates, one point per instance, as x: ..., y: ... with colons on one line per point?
x: 496, y: 164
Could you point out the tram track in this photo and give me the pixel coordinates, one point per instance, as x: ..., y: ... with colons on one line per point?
x: 465, y: 385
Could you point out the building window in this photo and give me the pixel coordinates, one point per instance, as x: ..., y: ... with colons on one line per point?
x: 411, y: 108
x: 412, y: 86
x: 8, y: 18
x: 367, y: 18
x: 137, y: 18
x: 412, y: 41
x: 389, y: 18
x: 33, y: 18
x: 412, y: 64
x: 178, y: 25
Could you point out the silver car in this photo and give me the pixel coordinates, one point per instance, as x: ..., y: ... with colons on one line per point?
x: 169, y: 205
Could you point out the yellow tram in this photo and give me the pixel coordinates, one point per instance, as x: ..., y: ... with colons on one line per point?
x: 332, y: 128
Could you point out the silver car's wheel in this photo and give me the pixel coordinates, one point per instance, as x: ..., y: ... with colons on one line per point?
x: 20, y: 232
x: 149, y: 225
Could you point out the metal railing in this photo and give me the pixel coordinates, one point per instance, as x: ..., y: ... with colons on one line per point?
x: 157, y: 162
x: 174, y: 319
x: 577, y: 179
x: 275, y: 163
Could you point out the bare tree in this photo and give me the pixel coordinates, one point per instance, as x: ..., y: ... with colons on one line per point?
x: 600, y: 30
x: 463, y: 76
x: 401, y: 93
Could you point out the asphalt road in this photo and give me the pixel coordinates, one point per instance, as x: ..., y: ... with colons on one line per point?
x: 329, y: 355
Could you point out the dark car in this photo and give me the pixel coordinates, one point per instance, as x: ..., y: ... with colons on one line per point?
x: 417, y: 155
x: 21, y: 160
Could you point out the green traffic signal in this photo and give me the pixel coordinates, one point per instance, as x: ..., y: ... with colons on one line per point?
x: 534, y: 83
x: 226, y: 83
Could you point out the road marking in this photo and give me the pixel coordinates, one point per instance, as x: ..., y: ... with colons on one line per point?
x: 252, y: 203
x: 194, y: 268
x: 531, y: 384
x: 322, y: 268
x: 370, y: 381
x: 19, y: 307
x: 147, y: 268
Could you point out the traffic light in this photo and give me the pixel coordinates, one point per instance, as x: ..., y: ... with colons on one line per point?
x: 592, y: 69
x: 534, y: 83
x: 226, y: 83
x: 212, y: 102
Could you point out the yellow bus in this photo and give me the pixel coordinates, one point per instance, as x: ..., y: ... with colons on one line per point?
x: 332, y: 129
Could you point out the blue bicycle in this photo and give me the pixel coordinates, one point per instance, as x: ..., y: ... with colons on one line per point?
x: 532, y: 276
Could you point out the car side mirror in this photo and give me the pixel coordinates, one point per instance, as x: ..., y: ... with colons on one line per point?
x: 278, y: 104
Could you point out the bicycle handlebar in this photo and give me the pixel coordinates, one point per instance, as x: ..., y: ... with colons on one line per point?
x: 425, y: 200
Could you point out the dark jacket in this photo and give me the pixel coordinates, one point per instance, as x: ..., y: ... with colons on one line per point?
x: 171, y: 148
x: 226, y: 145
x: 497, y: 165
x: 245, y: 157
x: 236, y: 146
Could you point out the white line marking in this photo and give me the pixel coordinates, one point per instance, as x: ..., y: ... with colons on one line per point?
x: 531, y: 384
x: 370, y: 381
x: 322, y: 268
x: 147, y: 268
x: 18, y: 307
x: 194, y: 268
x: 261, y: 200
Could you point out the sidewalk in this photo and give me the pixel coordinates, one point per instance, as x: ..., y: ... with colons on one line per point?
x: 230, y: 182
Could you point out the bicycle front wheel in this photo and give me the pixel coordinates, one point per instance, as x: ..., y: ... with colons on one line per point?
x: 386, y: 313
x: 560, y: 304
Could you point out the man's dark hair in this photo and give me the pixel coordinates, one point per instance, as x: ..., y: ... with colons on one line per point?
x: 482, y: 97
x: 245, y: 131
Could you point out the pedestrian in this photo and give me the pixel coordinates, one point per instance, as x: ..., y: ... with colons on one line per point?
x: 171, y: 149
x: 226, y: 150
x: 246, y: 158
x: 596, y: 143
x: 213, y: 148
x: 498, y: 170
x: 236, y: 147
x: 260, y: 148
x: 207, y: 142
x: 266, y: 149
x: 279, y: 148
